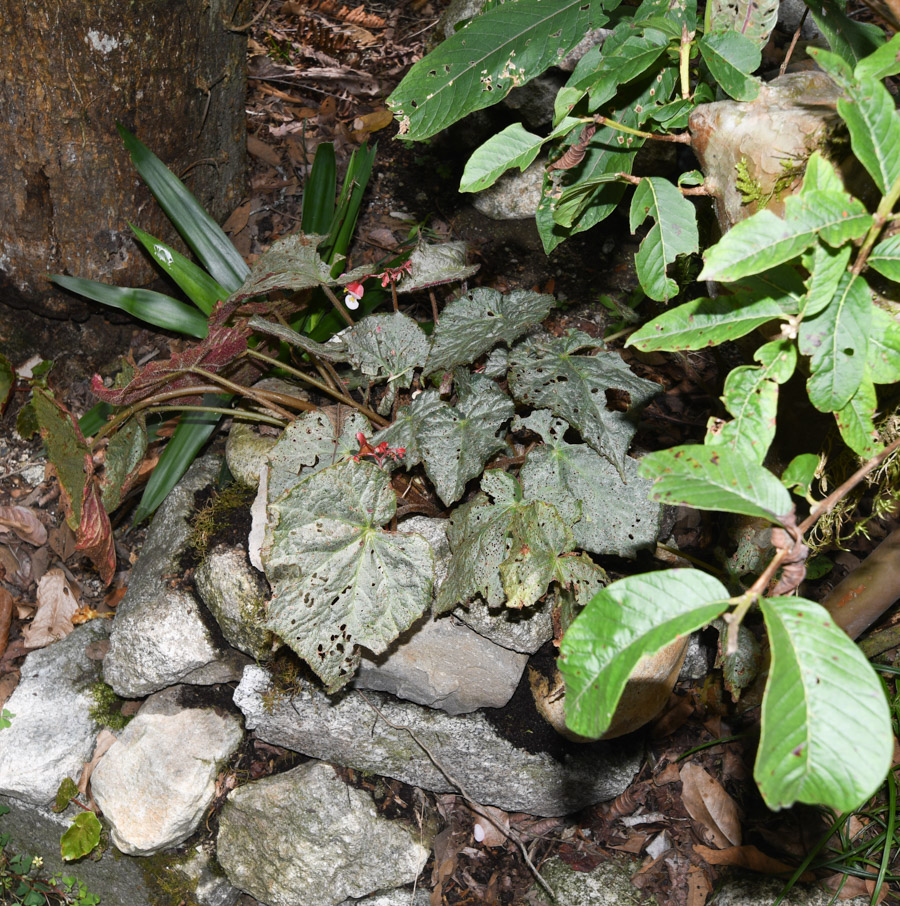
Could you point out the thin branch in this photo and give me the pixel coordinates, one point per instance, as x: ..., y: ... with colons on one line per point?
x: 248, y: 25
x: 683, y: 138
x: 244, y: 414
x: 787, y: 57
x: 337, y: 304
x: 240, y: 390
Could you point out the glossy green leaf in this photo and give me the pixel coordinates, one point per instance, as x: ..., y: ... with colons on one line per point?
x: 836, y: 342
x: 827, y: 268
x: 674, y: 233
x: 546, y: 373
x: 479, y: 65
x: 319, y: 190
x: 154, y: 308
x: 340, y: 580
x: 713, y: 478
x: 882, y: 63
x: 202, y: 234
x: 732, y: 58
x: 801, y: 472
x: 621, y: 64
x: 778, y: 358
x: 856, y: 422
x: 754, y: 19
x: 820, y: 175
x: 81, y: 837
x: 359, y: 169
x: 885, y: 258
x: 622, y: 623
x: 852, y: 41
x: 195, y: 283
x: 883, y: 350
x: 478, y: 320
x: 752, y: 401
x: 826, y: 729
x: 705, y: 322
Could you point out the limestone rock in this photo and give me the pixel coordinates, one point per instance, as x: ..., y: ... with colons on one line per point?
x: 344, y: 729
x: 515, y: 196
x: 155, y: 784
x: 304, y: 838
x: 52, y: 733
x: 245, y: 452
x: 236, y: 596
x: 162, y: 635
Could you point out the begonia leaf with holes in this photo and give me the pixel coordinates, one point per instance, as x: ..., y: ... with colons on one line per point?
x: 546, y: 373
x: 476, y: 321
x: 606, y: 514
x: 124, y: 456
x: 435, y: 263
x: 339, y: 580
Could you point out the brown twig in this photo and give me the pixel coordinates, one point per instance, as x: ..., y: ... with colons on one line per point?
x: 793, y: 44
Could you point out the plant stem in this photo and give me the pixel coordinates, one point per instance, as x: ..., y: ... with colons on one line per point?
x: 683, y: 137
x: 684, y: 61
x: 337, y: 304
x: 234, y: 413
x: 881, y: 217
x: 240, y: 390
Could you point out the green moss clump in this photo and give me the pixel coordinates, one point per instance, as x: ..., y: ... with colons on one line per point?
x: 208, y: 520
x: 107, y: 707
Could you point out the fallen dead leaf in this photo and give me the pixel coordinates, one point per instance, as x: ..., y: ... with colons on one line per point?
x: 62, y: 541
x: 237, y: 220
x: 748, y: 857
x: 698, y: 885
x: 25, y: 523
x: 57, y: 602
x: 670, y: 774
x: 494, y: 835
x: 678, y: 709
x: 105, y: 739
x: 266, y: 153
x: 707, y: 802
x: 6, y: 611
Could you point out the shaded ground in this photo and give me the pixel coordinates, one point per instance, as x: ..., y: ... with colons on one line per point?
x: 316, y: 75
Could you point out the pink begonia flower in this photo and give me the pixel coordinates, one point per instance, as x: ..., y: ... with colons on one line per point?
x: 354, y: 294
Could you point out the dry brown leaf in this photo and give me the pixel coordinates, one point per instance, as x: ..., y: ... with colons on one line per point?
x: 6, y: 611
x: 634, y: 844
x: 25, y: 523
x: 678, y: 709
x: 57, y: 602
x: 493, y: 835
x: 237, y: 220
x: 699, y: 887
x: 670, y: 774
x: 62, y: 541
x: 8, y: 683
x: 266, y: 153
x: 748, y: 857
x: 707, y: 802
x: 15, y: 568
x: 105, y: 739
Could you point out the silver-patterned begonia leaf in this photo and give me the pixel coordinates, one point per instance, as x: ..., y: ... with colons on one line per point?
x: 478, y: 320
x: 505, y: 551
x: 339, y: 580
x: 432, y: 264
x: 607, y: 515
x: 546, y: 373
x: 311, y: 442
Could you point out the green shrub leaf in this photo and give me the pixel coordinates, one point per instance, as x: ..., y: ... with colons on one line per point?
x: 713, y: 478
x: 856, y: 421
x: 731, y: 58
x: 752, y: 401
x: 827, y: 268
x: 7, y: 380
x: 885, y: 258
x: 673, y: 234
x: 882, y: 63
x: 754, y: 20
x: 477, y: 321
x: 883, y: 350
x: 339, y: 580
x: 479, y: 65
x: 546, y: 373
x: 826, y: 730
x: 623, y: 622
x: 852, y: 41
x: 81, y: 837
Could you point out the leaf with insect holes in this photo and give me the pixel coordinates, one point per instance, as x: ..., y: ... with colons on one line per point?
x: 673, y: 234
x: 732, y: 59
x: 826, y: 728
x: 606, y: 514
x: 478, y: 320
x: 623, y: 622
x: 546, y: 373
x: 339, y: 580
x: 754, y: 19
x: 505, y: 551
x: 712, y: 478
x: 124, y: 457
x: 311, y: 442
x: 435, y: 263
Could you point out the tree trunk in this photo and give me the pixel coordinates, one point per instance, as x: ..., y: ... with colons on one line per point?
x: 169, y: 70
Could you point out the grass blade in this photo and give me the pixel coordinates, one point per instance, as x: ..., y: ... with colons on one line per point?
x: 199, y: 230
x: 154, y: 308
x: 317, y: 214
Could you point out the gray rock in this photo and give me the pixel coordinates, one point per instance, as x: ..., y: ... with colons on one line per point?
x: 456, y: 11
x: 209, y: 886
x: 236, y: 596
x: 444, y: 664
x: 399, y: 896
x: 757, y: 891
x: 609, y: 884
x: 515, y: 196
x: 591, y: 39
x: 117, y: 879
x: 304, y: 838
x: 534, y: 100
x: 345, y: 730
x: 790, y: 14
x: 696, y: 660
x: 245, y: 452
x: 155, y: 784
x: 52, y: 733
x: 162, y: 635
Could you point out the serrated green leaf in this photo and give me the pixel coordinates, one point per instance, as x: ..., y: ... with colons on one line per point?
x: 456, y: 442
x: 124, y: 456
x: 751, y: 398
x: 202, y: 234
x: 732, y: 58
x: 705, y: 322
x: 339, y: 580
x: 623, y: 622
x: 836, y: 342
x: 154, y: 308
x: 881, y: 63
x: 852, y: 41
x: 801, y: 472
x: 856, y: 423
x: 194, y: 282
x: 885, y: 258
x: 81, y: 837
x: 545, y: 373
x: 512, y: 147
x: 491, y: 545
x: 883, y: 350
x: 433, y: 264
x: 827, y: 268
x: 755, y: 20
x: 477, y: 321
x: 313, y: 441
x: 482, y: 63
x: 826, y: 730
x: 710, y: 478
x: 606, y: 515
x: 673, y: 234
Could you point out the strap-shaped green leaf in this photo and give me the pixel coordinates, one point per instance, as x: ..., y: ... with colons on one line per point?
x: 202, y: 234
x: 732, y: 58
x: 482, y: 63
x: 826, y: 730
x: 154, y: 308
x: 673, y: 234
x: 713, y: 478
x: 623, y: 622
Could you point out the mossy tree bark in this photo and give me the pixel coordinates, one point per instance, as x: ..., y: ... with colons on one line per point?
x: 172, y: 71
